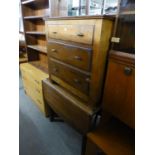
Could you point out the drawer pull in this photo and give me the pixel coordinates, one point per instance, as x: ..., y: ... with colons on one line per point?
x: 127, y: 71
x: 77, y: 58
x: 54, y: 32
x: 53, y: 50
x: 80, y: 34
x: 36, y: 81
x: 87, y: 79
x: 76, y: 81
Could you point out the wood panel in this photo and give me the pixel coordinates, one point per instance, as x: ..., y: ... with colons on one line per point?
x: 36, y: 25
x: 28, y: 11
x: 119, y: 91
x: 100, y: 50
x: 114, y: 138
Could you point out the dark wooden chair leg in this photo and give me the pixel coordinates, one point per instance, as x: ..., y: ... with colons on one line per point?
x: 54, y: 117
x: 84, y: 140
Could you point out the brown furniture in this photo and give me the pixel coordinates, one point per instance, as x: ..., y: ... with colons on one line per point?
x: 22, y: 48
x: 22, y: 52
x: 115, y: 134
x: 123, y: 38
x: 68, y: 107
x: 113, y: 138
x: 33, y: 12
x: 32, y: 81
x: 77, y: 48
x: 119, y: 90
x: 33, y: 72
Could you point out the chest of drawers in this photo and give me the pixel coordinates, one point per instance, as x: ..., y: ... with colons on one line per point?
x: 32, y: 81
x: 77, y: 50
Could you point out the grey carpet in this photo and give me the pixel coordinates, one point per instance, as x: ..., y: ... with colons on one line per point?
x: 39, y: 136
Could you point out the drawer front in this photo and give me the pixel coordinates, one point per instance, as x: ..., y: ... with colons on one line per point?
x: 28, y: 79
x: 32, y: 81
x: 77, y: 33
x: 71, y: 76
x: 35, y: 89
x: 36, y: 94
x: 73, y: 55
x: 35, y: 73
x: 69, y: 108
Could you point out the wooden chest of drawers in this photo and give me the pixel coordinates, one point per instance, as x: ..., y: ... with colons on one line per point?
x: 32, y: 81
x: 77, y: 50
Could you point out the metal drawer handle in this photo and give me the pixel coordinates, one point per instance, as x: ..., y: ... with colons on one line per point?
x: 53, y: 50
x: 87, y: 79
x: 127, y: 71
x: 36, y: 81
x: 77, y: 58
x: 80, y: 34
x: 54, y: 32
x: 76, y: 81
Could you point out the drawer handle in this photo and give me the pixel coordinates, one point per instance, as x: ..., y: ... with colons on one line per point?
x: 87, y: 79
x: 80, y: 34
x: 55, y: 70
x: 36, y: 81
x: 77, y: 58
x: 53, y: 50
x: 127, y: 71
x: 54, y: 32
x: 39, y: 101
x: 76, y: 81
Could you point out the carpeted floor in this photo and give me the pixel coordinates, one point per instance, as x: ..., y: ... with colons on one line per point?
x: 39, y: 136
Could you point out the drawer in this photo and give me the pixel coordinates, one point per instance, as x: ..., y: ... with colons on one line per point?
x: 76, y: 33
x: 70, y: 75
x: 35, y: 89
x: 36, y: 95
x: 35, y: 73
x: 28, y: 79
x: 73, y: 55
x: 68, y: 107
